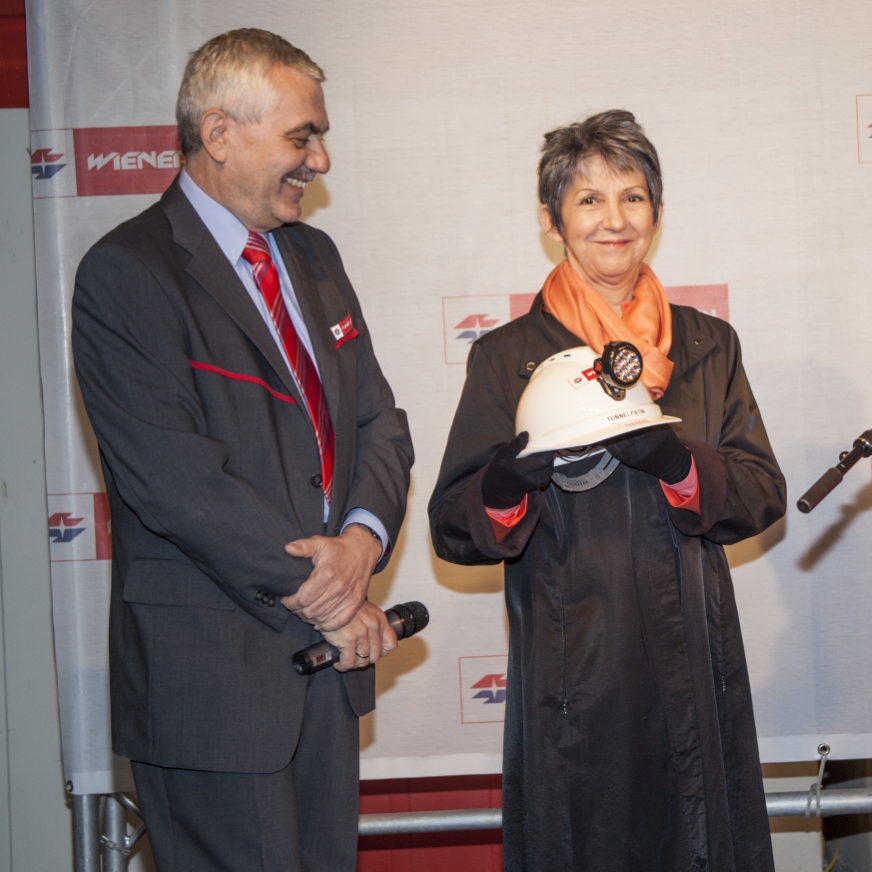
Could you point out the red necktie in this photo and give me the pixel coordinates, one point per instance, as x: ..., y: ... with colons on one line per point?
x: 267, y: 278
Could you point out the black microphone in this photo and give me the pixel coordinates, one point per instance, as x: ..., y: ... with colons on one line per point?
x: 405, y: 619
x: 832, y: 477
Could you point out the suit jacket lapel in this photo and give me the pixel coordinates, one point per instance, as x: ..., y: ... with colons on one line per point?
x: 213, y: 271
x: 323, y: 347
x: 306, y: 291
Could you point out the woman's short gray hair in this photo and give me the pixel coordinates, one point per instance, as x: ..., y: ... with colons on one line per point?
x: 614, y: 136
x: 231, y: 73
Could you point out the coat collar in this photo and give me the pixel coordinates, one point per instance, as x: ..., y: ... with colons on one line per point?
x: 689, y: 346
x: 547, y: 337
x: 550, y: 336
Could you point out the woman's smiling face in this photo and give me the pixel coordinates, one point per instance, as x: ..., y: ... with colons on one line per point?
x: 608, y: 223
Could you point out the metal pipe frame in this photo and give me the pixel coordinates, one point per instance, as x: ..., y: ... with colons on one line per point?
x: 86, y: 830
x: 114, y: 838
x: 832, y: 803
x: 791, y: 804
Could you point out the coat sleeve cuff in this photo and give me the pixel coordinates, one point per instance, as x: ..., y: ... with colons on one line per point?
x: 712, y: 491
x: 503, y: 520
x: 684, y: 494
x: 481, y: 527
x: 373, y: 524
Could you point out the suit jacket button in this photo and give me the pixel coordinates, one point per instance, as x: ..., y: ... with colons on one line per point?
x: 272, y: 601
x: 316, y: 480
x: 259, y: 596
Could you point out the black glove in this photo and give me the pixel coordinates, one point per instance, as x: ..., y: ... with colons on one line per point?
x: 508, y: 480
x: 658, y: 451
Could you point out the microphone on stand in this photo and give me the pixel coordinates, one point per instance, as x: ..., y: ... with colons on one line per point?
x: 405, y: 619
x: 832, y: 477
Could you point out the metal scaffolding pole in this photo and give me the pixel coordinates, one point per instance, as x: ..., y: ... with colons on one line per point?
x: 430, y: 821
x: 114, y: 839
x: 86, y: 832
x: 117, y: 843
x: 832, y: 802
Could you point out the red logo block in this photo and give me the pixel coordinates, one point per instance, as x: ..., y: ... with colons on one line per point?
x: 711, y: 299
x: 126, y: 160
x: 79, y: 527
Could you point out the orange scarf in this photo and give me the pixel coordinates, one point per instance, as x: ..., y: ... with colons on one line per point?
x: 646, y: 320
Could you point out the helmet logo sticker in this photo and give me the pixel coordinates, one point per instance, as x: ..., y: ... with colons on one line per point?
x: 585, y: 376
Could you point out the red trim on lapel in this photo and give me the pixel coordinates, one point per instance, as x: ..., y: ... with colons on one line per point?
x: 238, y: 376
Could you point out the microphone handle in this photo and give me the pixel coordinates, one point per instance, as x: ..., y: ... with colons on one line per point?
x: 824, y: 485
x: 322, y: 654
x: 833, y: 477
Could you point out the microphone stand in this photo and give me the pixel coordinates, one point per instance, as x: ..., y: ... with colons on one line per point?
x: 832, y: 477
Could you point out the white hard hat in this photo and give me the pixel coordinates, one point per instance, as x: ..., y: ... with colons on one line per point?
x: 570, y: 401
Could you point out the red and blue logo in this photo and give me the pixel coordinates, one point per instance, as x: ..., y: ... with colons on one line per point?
x: 483, y: 688
x: 491, y: 688
x: 63, y: 527
x: 104, y: 161
x: 475, y: 326
x: 466, y: 319
x: 44, y: 163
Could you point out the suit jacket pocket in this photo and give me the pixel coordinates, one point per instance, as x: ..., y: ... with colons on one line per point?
x: 172, y: 583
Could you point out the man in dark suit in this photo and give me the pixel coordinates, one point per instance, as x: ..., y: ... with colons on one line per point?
x: 257, y: 471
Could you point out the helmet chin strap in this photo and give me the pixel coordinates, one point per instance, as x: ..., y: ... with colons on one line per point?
x: 579, y: 483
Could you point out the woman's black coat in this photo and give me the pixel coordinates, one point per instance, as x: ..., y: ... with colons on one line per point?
x: 629, y: 736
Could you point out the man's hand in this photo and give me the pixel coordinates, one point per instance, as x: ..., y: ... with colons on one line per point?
x: 367, y: 638
x: 334, y: 593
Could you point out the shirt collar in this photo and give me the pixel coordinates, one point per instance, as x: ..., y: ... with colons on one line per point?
x: 229, y: 232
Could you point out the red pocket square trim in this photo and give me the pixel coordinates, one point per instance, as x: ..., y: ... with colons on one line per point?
x: 238, y: 376
x: 347, y: 336
x: 343, y: 331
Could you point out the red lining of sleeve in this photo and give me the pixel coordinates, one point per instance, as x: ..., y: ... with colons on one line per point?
x: 684, y: 494
x: 503, y: 520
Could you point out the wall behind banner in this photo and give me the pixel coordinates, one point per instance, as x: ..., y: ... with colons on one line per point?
x: 762, y: 116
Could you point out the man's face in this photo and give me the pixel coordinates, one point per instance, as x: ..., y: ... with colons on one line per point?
x: 268, y: 164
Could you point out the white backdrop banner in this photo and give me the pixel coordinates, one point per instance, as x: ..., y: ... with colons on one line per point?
x: 762, y: 114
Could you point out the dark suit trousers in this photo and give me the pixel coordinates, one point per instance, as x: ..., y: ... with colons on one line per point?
x: 300, y: 819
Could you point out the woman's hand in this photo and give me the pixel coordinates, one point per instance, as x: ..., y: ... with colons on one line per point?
x: 509, y: 479
x: 657, y: 451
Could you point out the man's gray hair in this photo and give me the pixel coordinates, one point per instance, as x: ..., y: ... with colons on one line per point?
x: 231, y: 73
x: 615, y: 137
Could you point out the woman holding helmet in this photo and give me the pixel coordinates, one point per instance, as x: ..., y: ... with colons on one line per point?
x: 629, y: 735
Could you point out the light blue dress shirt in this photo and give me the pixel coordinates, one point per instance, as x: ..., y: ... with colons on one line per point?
x: 232, y: 237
